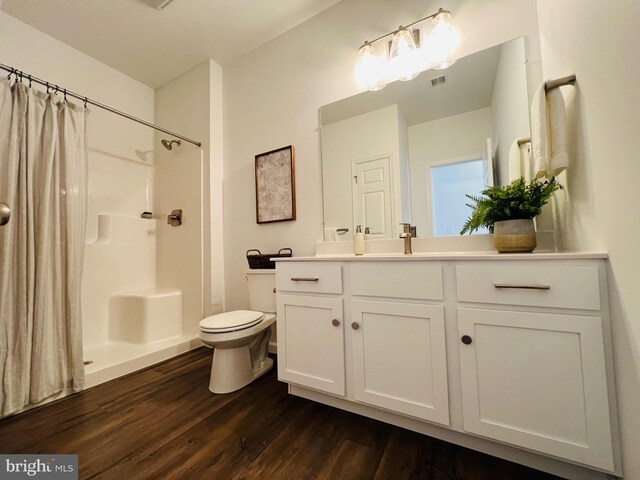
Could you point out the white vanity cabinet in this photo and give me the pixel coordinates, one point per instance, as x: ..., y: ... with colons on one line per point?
x: 399, y: 358
x: 311, y: 342
x: 398, y: 347
x: 506, y: 354
x: 535, y: 379
x: 310, y: 327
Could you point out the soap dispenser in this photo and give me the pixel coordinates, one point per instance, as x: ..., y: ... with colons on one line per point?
x: 358, y: 241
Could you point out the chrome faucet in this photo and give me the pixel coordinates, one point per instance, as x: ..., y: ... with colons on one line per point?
x: 406, y: 236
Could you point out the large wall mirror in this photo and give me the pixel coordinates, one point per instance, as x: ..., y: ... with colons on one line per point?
x: 410, y: 152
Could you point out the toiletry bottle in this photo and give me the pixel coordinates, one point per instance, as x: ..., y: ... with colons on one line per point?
x: 358, y: 241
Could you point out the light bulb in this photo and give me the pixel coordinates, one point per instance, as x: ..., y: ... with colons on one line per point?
x: 443, y: 40
x: 403, y: 55
x: 370, y: 68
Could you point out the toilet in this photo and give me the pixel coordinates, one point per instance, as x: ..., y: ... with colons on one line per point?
x: 240, y: 338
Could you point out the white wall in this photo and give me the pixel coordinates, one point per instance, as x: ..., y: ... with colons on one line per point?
x: 120, y: 159
x: 215, y: 299
x: 190, y: 105
x: 272, y: 96
x: 361, y: 137
x: 509, y: 104
x: 450, y: 139
x: 600, y: 207
x: 405, y: 169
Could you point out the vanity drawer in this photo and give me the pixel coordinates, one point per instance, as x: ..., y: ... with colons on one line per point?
x: 308, y: 277
x: 407, y: 279
x: 562, y: 286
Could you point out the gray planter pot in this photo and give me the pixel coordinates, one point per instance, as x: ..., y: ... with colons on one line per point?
x: 512, y: 236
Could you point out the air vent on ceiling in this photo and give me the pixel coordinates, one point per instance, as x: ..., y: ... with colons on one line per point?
x: 159, y: 4
x: 438, y: 81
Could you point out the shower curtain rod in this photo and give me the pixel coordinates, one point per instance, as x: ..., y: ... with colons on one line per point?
x: 22, y: 76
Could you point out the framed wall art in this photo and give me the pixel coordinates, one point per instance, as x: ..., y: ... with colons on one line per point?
x: 275, y: 186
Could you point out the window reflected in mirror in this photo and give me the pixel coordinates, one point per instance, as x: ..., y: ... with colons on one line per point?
x: 450, y: 183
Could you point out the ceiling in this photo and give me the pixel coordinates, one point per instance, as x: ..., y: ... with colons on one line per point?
x: 156, y: 46
x: 469, y: 86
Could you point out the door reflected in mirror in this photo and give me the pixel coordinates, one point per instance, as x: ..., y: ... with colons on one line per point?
x: 412, y: 151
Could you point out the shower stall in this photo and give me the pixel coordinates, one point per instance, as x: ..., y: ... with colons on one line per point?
x: 149, y: 245
x: 129, y: 321
x: 142, y: 292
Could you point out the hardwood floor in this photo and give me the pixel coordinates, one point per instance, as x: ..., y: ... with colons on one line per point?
x: 164, y: 423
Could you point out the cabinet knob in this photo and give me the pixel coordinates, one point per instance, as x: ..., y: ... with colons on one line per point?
x: 466, y: 339
x: 355, y: 326
x: 335, y: 322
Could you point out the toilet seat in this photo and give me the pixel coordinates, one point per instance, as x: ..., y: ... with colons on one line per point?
x: 231, y: 321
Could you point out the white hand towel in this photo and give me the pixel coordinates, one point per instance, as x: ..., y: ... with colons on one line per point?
x: 330, y: 234
x: 519, y: 159
x: 548, y: 136
x: 515, y: 171
x: 539, y: 133
x: 559, y: 158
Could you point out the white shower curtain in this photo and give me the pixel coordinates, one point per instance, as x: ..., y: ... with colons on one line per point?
x: 43, y: 178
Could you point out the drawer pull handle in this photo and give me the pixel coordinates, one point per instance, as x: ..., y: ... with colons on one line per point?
x: 355, y: 325
x: 335, y: 322
x: 466, y: 339
x: 525, y: 286
x: 304, y: 279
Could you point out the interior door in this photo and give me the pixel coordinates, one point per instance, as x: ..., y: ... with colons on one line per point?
x: 372, y: 196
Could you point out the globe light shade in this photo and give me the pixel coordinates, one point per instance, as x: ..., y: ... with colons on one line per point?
x: 443, y: 41
x: 370, y: 69
x: 403, y: 59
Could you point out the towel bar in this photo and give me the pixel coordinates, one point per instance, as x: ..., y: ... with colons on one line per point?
x: 560, y: 82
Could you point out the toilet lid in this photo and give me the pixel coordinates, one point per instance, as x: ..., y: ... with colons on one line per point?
x: 231, y: 321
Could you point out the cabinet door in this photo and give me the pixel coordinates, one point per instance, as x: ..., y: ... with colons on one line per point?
x: 537, y: 381
x: 399, y: 358
x: 311, y: 342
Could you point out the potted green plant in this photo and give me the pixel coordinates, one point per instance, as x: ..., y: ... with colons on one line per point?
x: 508, y: 213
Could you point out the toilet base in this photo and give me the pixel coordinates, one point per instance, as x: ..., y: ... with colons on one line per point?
x: 231, y: 369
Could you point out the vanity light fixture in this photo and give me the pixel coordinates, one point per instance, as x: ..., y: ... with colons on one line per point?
x: 405, y: 58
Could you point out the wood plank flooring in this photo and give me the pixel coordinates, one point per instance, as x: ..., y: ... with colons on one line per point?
x: 163, y: 423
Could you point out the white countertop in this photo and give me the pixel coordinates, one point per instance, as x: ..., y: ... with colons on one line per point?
x: 491, y: 255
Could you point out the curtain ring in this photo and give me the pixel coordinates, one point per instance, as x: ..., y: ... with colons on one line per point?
x: 47, y: 88
x: 65, y: 95
x: 29, y: 80
x: 20, y: 75
x: 85, y: 102
x: 56, y: 90
x: 10, y: 73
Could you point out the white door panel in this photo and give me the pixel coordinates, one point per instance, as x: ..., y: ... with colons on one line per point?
x: 372, y: 196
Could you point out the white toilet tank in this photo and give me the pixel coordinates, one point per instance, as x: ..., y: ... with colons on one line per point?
x: 262, y: 286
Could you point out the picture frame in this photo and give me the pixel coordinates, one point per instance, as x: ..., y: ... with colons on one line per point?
x: 275, y: 185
